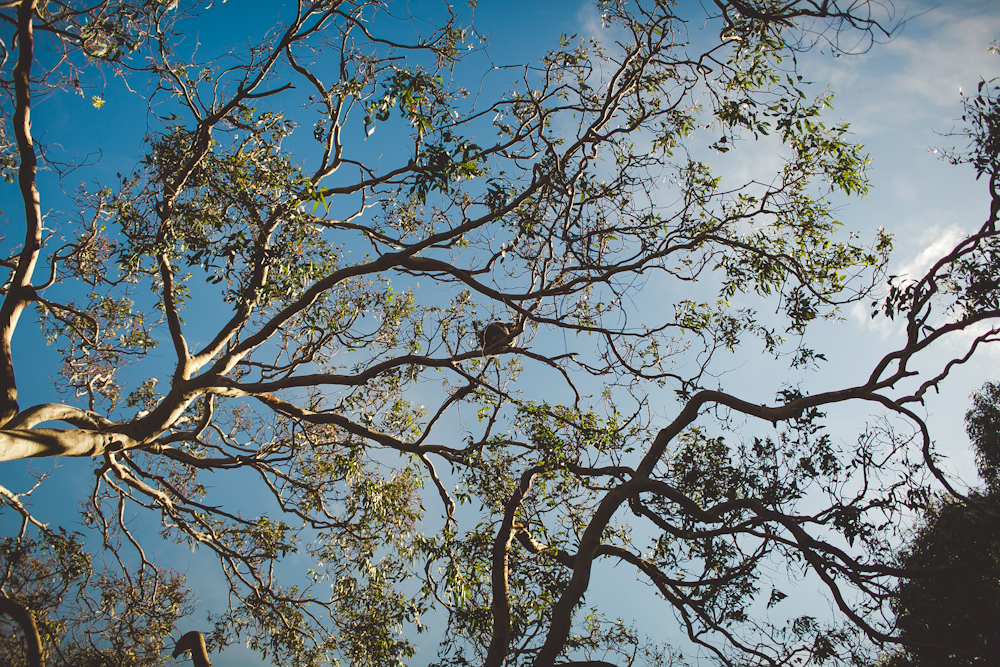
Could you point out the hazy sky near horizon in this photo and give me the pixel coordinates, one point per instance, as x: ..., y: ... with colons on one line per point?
x: 901, y: 97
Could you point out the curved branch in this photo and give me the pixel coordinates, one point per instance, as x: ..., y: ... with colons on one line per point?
x: 194, y: 642
x: 39, y: 442
x: 31, y: 417
x: 500, y: 643
x: 20, y: 293
x: 26, y: 621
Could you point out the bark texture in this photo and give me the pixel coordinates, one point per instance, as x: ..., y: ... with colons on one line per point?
x: 194, y: 642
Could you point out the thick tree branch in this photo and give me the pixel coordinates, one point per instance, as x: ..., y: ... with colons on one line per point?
x: 31, y: 417
x: 500, y: 642
x: 20, y: 293
x: 61, y: 442
x: 26, y: 621
x: 193, y: 642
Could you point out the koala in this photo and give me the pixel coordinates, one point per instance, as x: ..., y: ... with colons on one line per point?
x: 497, y: 336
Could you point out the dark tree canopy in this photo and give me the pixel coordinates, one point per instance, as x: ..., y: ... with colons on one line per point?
x: 982, y: 423
x: 949, y: 613
x: 340, y: 284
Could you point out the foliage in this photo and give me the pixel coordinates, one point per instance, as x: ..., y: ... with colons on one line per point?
x: 947, y: 615
x: 947, y: 609
x: 85, y: 618
x: 272, y: 342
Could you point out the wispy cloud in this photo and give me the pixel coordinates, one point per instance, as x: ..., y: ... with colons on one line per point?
x: 946, y: 45
x: 880, y: 326
x: 917, y: 75
x: 936, y: 244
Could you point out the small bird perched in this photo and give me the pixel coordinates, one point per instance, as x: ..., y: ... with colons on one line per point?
x: 193, y: 641
x: 497, y: 336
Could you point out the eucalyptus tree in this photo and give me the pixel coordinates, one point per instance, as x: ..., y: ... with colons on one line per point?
x: 350, y: 299
x: 945, y: 616
x: 67, y: 611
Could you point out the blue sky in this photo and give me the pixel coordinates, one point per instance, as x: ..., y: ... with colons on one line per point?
x: 901, y: 98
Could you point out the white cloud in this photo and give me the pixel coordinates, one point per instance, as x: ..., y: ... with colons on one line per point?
x: 936, y: 244
x: 960, y: 342
x: 916, y: 76
x: 880, y: 326
x: 935, y: 69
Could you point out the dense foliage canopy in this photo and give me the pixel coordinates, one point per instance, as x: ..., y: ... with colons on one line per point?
x: 947, y: 612
x: 340, y: 286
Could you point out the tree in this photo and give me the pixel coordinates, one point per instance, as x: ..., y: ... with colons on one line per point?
x: 542, y: 210
x: 78, y: 617
x: 947, y: 615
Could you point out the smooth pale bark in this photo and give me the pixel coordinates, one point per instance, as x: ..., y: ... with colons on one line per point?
x: 193, y: 641
x: 20, y: 292
x: 47, y: 412
x: 22, y: 444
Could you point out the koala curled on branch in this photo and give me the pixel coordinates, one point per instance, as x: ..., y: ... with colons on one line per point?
x: 497, y: 336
